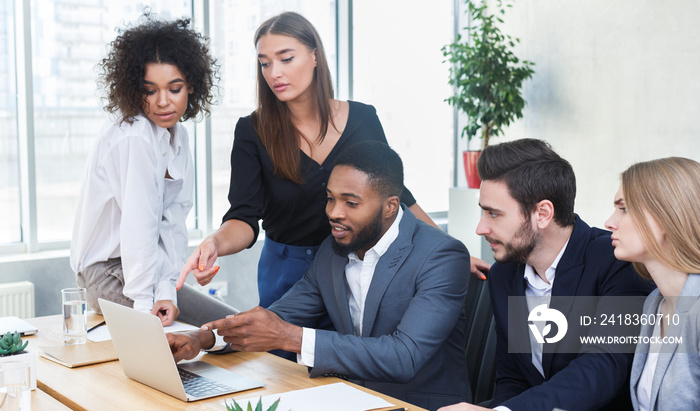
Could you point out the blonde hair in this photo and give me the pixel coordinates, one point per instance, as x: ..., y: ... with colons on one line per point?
x: 666, y: 190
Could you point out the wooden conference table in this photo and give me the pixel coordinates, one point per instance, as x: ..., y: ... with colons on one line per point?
x: 105, y: 387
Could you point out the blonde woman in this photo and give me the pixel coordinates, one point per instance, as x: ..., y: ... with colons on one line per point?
x: 657, y: 227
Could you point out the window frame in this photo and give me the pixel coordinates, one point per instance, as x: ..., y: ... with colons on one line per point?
x: 205, y: 221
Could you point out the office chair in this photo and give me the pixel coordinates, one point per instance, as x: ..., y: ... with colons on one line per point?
x: 481, y: 341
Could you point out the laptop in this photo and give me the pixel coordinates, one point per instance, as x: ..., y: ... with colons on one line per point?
x: 12, y: 324
x: 144, y: 354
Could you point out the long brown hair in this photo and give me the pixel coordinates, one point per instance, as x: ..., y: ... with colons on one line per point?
x: 272, y: 119
x: 666, y: 190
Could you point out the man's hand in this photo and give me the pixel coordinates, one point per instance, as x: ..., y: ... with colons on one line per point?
x: 258, y: 330
x: 166, y: 310
x: 463, y: 406
x: 479, y: 268
x: 187, y: 345
x: 201, y: 264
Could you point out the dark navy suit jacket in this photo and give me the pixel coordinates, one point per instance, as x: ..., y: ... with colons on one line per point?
x: 573, y: 380
x: 412, y: 343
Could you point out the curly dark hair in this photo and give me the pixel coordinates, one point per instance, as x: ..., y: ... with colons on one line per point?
x: 156, y: 41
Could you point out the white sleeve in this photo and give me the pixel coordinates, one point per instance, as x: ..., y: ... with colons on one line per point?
x: 179, y: 192
x: 141, y: 206
x: 219, y: 344
x: 308, y: 347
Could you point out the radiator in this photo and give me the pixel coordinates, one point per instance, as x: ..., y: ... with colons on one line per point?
x: 17, y: 299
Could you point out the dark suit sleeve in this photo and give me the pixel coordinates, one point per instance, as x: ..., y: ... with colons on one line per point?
x: 594, y: 377
x: 431, y: 315
x: 509, y: 379
x: 302, y: 305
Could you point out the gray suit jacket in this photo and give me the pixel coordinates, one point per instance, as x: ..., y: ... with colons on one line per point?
x: 412, y: 343
x: 676, y: 383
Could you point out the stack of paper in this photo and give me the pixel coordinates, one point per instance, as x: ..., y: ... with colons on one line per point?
x: 336, y: 397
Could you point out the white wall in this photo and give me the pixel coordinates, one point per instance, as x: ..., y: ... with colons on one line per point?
x: 615, y: 82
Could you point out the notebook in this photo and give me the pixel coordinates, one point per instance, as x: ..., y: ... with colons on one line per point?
x: 12, y: 324
x: 145, y: 356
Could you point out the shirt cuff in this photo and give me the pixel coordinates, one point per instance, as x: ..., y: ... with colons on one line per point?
x: 144, y: 305
x: 219, y: 344
x: 502, y: 408
x: 308, y: 347
x: 165, y: 290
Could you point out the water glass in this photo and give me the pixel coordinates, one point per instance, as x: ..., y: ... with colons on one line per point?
x: 74, y: 316
x: 14, y: 386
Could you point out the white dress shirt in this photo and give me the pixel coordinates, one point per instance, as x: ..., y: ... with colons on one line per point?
x: 538, y: 292
x: 129, y: 209
x: 358, y: 275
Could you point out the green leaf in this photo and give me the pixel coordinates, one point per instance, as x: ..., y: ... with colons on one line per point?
x: 274, y: 405
x: 259, y: 407
x: 233, y: 407
x: 485, y: 72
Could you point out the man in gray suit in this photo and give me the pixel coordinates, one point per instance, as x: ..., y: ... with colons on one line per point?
x: 392, y: 286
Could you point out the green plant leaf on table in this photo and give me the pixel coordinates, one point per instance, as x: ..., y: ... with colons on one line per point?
x: 11, y: 343
x: 236, y: 407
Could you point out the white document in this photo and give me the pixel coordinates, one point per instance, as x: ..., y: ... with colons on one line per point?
x: 101, y: 333
x: 336, y: 397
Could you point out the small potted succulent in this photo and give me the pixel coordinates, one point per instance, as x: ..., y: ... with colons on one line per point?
x: 11, y: 343
x: 259, y: 407
x: 12, y: 349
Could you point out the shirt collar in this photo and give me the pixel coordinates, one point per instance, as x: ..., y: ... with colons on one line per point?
x: 387, y: 239
x: 536, y: 281
x: 164, y: 136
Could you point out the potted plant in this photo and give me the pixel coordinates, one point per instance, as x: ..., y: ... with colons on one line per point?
x: 487, y: 78
x: 259, y: 407
x: 12, y: 349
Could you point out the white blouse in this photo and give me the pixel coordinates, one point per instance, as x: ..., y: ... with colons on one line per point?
x: 129, y: 209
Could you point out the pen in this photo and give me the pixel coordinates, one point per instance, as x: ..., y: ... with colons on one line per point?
x: 95, y: 326
x: 399, y: 409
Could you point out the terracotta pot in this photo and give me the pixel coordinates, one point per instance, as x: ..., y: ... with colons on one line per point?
x: 470, y: 158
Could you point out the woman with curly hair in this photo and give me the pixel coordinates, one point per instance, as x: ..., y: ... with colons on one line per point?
x: 130, y: 235
x: 282, y: 156
x: 656, y: 226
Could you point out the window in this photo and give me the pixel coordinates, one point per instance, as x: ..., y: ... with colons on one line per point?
x: 233, y: 25
x: 69, y: 38
x: 398, y: 69
x: 10, y: 230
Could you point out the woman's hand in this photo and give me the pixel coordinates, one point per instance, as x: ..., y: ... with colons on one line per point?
x: 166, y: 310
x: 233, y: 236
x: 201, y: 263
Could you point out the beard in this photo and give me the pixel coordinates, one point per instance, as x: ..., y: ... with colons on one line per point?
x: 367, y: 236
x: 520, y: 247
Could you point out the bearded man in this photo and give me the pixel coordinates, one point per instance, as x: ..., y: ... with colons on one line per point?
x: 393, y: 287
x: 545, y: 254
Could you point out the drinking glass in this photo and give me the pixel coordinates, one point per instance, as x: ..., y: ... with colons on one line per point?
x: 74, y: 318
x: 14, y: 386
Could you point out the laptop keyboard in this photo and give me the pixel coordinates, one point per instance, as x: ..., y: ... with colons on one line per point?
x: 198, y: 386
